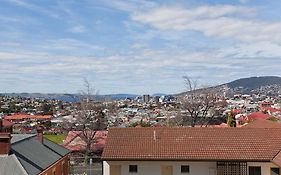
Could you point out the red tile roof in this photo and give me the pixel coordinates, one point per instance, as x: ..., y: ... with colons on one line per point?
x: 6, y: 123
x: 263, y: 124
x: 26, y: 116
x: 75, y: 142
x: 241, y: 144
x: 258, y: 116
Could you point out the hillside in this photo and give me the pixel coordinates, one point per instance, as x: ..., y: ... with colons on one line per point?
x: 267, y: 85
x: 254, y: 82
x: 70, y: 97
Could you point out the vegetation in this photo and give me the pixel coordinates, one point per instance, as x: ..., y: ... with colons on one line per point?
x: 55, y: 138
x: 140, y: 124
x: 201, y: 106
x: 231, y: 119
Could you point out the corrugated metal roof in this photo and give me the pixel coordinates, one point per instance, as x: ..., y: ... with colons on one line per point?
x: 9, y: 165
x: 20, y: 137
x: 56, y: 148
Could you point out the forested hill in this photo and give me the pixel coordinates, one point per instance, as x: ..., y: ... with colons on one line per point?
x: 254, y: 82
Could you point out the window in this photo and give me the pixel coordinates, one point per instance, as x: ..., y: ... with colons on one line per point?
x: 254, y: 170
x: 274, y: 171
x: 185, y: 169
x: 133, y: 168
x: 232, y: 168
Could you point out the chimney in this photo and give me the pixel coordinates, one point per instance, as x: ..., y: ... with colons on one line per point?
x: 5, y: 143
x: 40, y: 133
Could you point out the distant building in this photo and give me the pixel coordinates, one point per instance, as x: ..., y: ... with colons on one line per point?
x: 146, y: 98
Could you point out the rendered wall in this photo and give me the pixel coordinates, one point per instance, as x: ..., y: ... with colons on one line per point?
x: 196, y: 168
x: 154, y: 167
x: 265, y: 167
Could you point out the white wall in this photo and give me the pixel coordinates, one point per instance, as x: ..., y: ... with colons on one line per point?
x: 154, y: 167
x: 105, y: 168
x: 265, y: 166
x: 196, y: 168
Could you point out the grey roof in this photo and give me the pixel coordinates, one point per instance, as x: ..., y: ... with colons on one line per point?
x: 9, y: 165
x: 56, y: 148
x: 20, y: 137
x: 35, y: 156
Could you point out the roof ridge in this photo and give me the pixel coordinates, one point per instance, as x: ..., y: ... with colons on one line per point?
x: 55, y: 144
x: 23, y: 139
x: 20, y: 165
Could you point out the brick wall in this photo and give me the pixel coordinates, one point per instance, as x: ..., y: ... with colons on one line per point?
x: 61, y: 167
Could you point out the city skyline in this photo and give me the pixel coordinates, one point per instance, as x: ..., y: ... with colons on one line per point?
x: 135, y: 46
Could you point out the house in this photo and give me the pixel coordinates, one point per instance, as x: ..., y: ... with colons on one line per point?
x: 258, y: 116
x: 27, y: 117
x: 263, y: 124
x: 6, y: 126
x: 192, y: 151
x: 31, y: 154
x: 75, y: 141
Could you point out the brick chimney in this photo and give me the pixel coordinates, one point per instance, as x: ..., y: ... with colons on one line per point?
x: 5, y: 143
x: 39, y: 130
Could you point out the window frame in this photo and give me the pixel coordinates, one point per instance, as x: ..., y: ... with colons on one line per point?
x: 254, y: 167
x: 274, y: 168
x: 133, y: 168
x: 185, y: 169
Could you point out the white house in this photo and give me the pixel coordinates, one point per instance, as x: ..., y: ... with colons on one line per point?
x: 192, y: 151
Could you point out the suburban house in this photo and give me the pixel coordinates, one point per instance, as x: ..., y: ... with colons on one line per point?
x: 31, y: 154
x: 27, y: 117
x: 263, y: 124
x: 75, y: 142
x: 192, y: 151
x: 6, y: 126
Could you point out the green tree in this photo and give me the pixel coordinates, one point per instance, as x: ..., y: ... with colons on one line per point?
x: 231, y: 119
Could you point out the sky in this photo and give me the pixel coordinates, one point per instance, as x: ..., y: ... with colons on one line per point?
x: 135, y: 46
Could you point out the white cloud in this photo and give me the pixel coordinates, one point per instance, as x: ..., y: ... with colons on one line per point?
x: 130, y: 6
x: 35, y: 8
x: 78, y: 29
x: 220, y: 21
x: 244, y: 1
x: 68, y: 44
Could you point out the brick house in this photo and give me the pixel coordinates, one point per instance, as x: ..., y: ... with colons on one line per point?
x: 31, y: 154
x: 192, y: 151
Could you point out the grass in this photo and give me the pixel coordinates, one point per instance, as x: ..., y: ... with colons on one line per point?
x: 55, y: 138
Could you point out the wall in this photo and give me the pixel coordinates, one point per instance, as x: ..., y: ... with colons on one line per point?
x: 61, y: 167
x: 154, y: 167
x: 265, y: 167
x: 196, y: 168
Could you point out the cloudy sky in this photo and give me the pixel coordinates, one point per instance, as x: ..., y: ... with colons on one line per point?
x: 135, y: 46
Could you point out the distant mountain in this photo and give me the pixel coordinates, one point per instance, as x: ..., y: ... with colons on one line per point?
x: 159, y: 94
x: 254, y: 82
x: 117, y: 96
x: 267, y: 85
x: 70, y: 97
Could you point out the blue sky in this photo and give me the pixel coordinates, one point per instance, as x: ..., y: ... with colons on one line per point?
x: 135, y: 46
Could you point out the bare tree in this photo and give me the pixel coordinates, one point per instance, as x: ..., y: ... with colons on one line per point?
x: 198, y: 106
x: 90, y: 117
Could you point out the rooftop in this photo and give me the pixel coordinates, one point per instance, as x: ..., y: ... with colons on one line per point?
x: 243, y: 144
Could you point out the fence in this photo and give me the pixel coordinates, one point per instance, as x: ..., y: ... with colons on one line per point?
x: 92, y: 166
